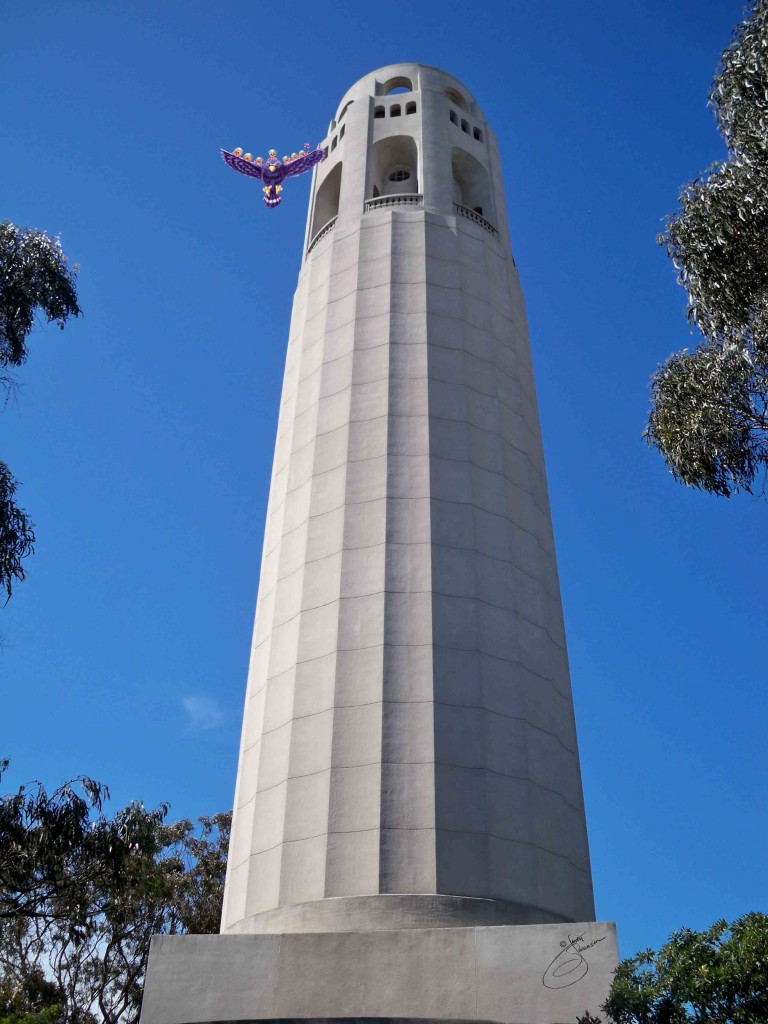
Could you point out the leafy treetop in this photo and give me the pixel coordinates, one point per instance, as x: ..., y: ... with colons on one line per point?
x: 82, y: 894
x: 709, y: 406
x: 34, y: 275
x: 716, y: 976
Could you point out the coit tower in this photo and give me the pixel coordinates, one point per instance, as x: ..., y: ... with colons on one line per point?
x: 408, y: 742
x: 409, y: 773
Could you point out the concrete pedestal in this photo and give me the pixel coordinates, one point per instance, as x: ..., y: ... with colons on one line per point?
x: 525, y: 974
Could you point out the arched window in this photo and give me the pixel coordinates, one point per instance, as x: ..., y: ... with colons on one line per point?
x: 454, y: 117
x: 394, y: 167
x: 465, y: 126
x: 400, y: 84
x: 456, y: 98
x: 394, y: 110
x: 379, y: 112
x: 477, y: 134
x: 471, y: 184
x: 410, y: 108
x: 327, y: 200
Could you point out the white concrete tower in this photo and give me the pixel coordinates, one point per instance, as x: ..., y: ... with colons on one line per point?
x: 409, y: 840
x: 408, y: 724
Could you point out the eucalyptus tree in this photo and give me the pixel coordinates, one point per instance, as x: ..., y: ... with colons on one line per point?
x: 715, y: 976
x: 82, y: 893
x: 709, y: 405
x: 17, y: 534
x: 35, y: 281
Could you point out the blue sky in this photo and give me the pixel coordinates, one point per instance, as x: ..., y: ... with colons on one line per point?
x: 143, y: 434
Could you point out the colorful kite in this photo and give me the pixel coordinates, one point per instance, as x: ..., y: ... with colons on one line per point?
x: 272, y: 171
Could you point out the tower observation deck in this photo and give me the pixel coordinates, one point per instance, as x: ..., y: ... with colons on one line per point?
x: 409, y: 771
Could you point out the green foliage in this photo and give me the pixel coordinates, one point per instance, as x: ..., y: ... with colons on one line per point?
x: 200, y: 887
x: 61, y: 858
x: 17, y: 535
x: 708, y: 412
x: 738, y: 94
x: 34, y: 275
x: 717, y: 976
x: 709, y: 417
x: 82, y: 894
x: 28, y: 1000
x: 50, y: 1015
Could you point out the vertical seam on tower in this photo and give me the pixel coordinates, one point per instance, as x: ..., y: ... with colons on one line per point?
x: 227, y: 911
x: 427, y: 384
x: 335, y: 707
x: 386, y: 569
x: 331, y: 251
x: 291, y: 722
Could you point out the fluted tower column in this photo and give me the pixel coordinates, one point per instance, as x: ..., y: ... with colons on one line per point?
x: 409, y: 842
x: 408, y: 754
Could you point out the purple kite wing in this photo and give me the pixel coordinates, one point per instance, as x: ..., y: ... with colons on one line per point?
x: 303, y: 163
x: 243, y: 166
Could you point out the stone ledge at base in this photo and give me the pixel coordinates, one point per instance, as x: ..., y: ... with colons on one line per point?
x: 391, y: 912
x: 519, y: 974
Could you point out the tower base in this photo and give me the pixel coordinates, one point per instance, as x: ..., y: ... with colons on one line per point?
x: 519, y: 974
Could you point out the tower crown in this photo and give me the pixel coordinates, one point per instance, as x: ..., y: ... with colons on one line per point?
x: 408, y: 135
x: 396, y: 79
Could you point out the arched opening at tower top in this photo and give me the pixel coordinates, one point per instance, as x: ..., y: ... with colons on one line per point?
x: 399, y: 84
x: 455, y: 96
x: 471, y: 184
x: 394, y: 167
x: 327, y: 200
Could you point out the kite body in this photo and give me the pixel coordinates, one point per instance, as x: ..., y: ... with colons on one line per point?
x: 273, y: 171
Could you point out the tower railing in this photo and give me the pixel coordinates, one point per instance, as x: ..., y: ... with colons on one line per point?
x: 321, y: 234
x: 405, y: 199
x: 399, y: 199
x: 473, y: 215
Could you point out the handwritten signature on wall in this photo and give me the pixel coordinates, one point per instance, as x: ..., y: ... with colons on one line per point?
x: 569, y: 966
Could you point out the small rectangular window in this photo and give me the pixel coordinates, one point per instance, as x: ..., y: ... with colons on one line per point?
x: 344, y: 128
x: 454, y: 118
x: 465, y: 126
x: 333, y: 144
x: 477, y: 134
